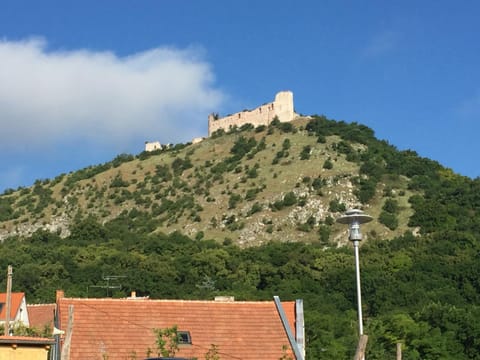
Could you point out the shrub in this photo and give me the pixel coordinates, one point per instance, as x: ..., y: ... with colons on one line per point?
x: 275, y: 121
x: 336, y: 206
x: 328, y: 164
x: 388, y: 219
x: 317, y: 183
x: 242, y: 146
x: 324, y: 233
x: 304, y: 227
x: 329, y: 220
x: 286, y: 127
x: 218, y: 133
x: 246, y: 127
x: 255, y: 208
x: 233, y: 200
x: 251, y: 194
x: 163, y: 172
x: 305, y: 154
x: 289, y: 199
x: 302, y: 201
x: 180, y: 165
x: 252, y: 173
x: 391, y: 206
x: 6, y: 209
x: 117, y: 181
x: 366, y: 190
x: 122, y: 158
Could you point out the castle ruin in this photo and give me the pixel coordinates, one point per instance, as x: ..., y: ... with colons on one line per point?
x: 152, y: 146
x: 281, y: 107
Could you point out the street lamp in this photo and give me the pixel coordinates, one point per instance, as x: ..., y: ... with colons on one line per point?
x: 354, y: 218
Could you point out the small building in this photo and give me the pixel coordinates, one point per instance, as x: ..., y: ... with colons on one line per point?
x: 124, y: 328
x: 24, y: 348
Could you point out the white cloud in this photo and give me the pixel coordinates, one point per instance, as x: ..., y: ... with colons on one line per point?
x: 52, y: 96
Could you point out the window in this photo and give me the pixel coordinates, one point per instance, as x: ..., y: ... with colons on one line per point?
x: 184, y: 337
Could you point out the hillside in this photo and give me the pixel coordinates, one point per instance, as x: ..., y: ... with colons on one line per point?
x: 275, y: 191
x: 250, y: 186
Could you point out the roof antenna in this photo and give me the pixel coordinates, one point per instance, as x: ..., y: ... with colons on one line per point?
x: 107, y: 278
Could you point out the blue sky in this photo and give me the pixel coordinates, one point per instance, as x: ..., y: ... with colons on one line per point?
x: 81, y: 82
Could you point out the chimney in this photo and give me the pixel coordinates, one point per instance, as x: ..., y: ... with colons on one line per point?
x: 60, y: 294
x: 133, y: 296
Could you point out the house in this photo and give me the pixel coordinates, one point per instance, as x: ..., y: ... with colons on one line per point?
x: 24, y: 348
x: 124, y: 328
x: 18, y: 309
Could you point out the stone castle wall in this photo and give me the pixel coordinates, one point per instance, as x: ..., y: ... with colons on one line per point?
x: 282, y: 107
x: 152, y: 146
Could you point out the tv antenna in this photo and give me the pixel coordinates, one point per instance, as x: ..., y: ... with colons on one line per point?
x: 108, y: 285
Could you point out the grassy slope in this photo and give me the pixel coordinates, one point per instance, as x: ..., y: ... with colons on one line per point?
x: 210, y: 212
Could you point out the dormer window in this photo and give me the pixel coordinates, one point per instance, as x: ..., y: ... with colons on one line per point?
x: 184, y: 338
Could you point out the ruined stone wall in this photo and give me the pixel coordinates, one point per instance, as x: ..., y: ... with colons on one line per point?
x: 282, y: 107
x: 152, y: 146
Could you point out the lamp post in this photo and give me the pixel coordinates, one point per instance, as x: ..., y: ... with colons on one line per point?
x: 354, y: 218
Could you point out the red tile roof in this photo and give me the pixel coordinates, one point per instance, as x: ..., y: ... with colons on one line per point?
x: 30, y: 340
x: 16, y: 301
x: 120, y: 328
x: 41, y: 315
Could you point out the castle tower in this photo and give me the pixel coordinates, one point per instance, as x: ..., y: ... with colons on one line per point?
x: 283, y: 106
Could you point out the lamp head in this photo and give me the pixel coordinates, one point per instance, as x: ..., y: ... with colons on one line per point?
x: 354, y: 217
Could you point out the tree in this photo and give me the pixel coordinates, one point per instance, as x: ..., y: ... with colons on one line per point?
x: 167, y: 341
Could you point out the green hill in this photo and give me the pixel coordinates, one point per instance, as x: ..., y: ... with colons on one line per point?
x: 250, y: 186
x: 251, y: 214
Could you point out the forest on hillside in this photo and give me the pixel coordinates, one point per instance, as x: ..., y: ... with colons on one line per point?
x: 421, y: 289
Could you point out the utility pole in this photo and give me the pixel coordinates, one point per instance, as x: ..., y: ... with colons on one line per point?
x: 68, y: 337
x: 8, y: 300
x: 399, y: 351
